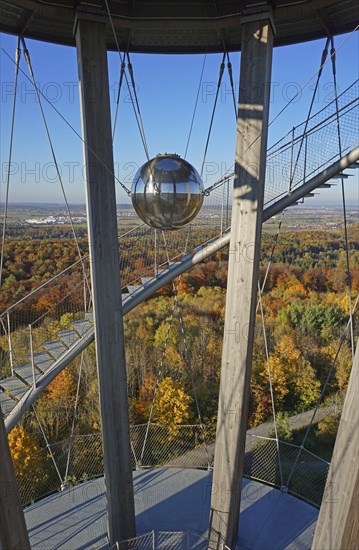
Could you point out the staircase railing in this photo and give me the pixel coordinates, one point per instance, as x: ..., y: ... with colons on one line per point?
x: 34, y: 322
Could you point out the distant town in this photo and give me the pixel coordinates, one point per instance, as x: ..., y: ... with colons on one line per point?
x: 300, y: 217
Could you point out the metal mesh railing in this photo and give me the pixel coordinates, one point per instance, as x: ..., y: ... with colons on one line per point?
x: 38, y: 319
x: 171, y: 446
x: 310, y: 147
x: 66, y: 294
x: 163, y: 540
x: 292, y: 468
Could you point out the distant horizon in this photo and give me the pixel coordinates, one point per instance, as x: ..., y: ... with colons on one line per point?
x: 77, y: 204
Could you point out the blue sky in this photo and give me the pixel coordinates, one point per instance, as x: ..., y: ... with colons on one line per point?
x: 167, y: 87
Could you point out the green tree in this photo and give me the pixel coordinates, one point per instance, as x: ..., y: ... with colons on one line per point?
x: 283, y: 429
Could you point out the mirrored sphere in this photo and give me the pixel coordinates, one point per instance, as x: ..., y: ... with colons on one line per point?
x: 167, y: 192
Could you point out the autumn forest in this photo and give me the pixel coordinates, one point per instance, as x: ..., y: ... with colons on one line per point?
x: 174, y: 339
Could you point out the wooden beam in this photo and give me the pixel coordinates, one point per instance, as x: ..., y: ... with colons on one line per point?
x: 105, y: 275
x: 338, y: 521
x: 243, y: 268
x: 13, y: 531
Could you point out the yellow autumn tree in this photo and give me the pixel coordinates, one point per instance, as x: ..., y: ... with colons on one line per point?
x: 172, y: 405
x: 167, y: 339
x: 294, y: 380
x: 327, y: 430
x: 343, y: 362
x: 29, y: 463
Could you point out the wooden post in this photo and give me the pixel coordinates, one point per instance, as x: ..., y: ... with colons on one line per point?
x: 13, y: 531
x: 244, y: 253
x: 105, y: 272
x: 338, y: 521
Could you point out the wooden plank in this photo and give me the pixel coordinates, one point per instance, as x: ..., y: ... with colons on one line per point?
x: 243, y: 268
x: 338, y: 521
x: 105, y: 274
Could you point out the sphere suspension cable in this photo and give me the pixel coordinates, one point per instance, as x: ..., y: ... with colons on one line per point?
x: 58, y: 172
x: 195, y: 106
x: 64, y: 119
x: 334, y: 71
x: 134, y: 103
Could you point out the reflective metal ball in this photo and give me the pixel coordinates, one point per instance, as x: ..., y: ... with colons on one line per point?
x: 167, y: 192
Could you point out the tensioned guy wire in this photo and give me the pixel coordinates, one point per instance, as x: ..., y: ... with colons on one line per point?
x: 18, y: 55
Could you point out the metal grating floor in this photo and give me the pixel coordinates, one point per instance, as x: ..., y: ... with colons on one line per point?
x: 170, y: 500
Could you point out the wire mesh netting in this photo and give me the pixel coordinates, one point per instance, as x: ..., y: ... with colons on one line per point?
x: 289, y: 467
x: 162, y: 540
x: 38, y: 329
x: 176, y: 446
x: 313, y: 145
x: 43, y: 312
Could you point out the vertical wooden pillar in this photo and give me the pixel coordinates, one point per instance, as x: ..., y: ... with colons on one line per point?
x: 338, y: 521
x: 105, y: 272
x: 244, y: 253
x: 13, y: 531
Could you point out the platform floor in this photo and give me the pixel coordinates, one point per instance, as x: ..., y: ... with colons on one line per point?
x: 170, y: 500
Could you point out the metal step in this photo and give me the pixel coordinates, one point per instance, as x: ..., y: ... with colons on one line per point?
x: 353, y: 166
x: 324, y: 186
x: 15, y: 386
x: 171, y: 264
x: 145, y: 280
x: 42, y: 361
x: 55, y: 348
x: 6, y: 403
x: 69, y: 337
x: 26, y: 374
x: 89, y: 316
x: 160, y: 271
x: 82, y: 327
x: 133, y: 288
x: 341, y: 175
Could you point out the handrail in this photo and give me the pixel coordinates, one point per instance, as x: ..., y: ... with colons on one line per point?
x: 313, y: 130
x: 333, y: 102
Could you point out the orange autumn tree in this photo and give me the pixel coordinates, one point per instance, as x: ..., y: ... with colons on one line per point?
x: 62, y: 387
x: 142, y: 404
x: 56, y: 407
